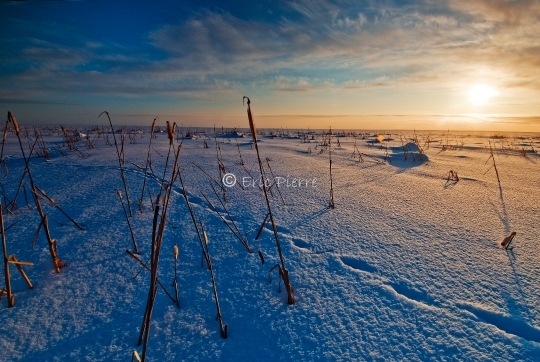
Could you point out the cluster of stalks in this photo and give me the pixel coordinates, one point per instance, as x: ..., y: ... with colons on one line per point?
x: 58, y: 263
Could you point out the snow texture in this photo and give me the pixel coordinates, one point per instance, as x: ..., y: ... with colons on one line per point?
x: 406, y: 267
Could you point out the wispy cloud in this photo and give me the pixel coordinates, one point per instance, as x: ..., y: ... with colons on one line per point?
x: 313, y: 46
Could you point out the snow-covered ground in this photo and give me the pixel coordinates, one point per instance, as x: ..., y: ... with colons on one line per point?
x: 406, y: 267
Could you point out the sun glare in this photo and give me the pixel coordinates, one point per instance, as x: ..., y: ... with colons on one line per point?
x: 481, y: 94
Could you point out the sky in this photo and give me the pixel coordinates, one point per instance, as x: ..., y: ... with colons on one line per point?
x: 351, y: 64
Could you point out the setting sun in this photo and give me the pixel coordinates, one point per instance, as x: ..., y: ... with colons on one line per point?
x: 481, y: 94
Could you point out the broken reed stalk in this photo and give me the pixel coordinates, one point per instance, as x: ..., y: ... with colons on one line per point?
x: 494, y: 165
x: 147, y: 163
x: 223, y: 327
x: 230, y: 217
x: 239, y: 153
x: 259, y: 233
x: 3, y: 144
x: 135, y: 249
x: 193, y: 219
x: 10, y: 296
x: 52, y: 202
x: 119, y: 162
x: 13, y: 202
x: 207, y: 175
x: 145, y: 267
x: 235, y: 232
x: 507, y: 240
x: 26, y: 197
x: 175, y: 282
x: 135, y: 357
x: 285, y: 272
x: 122, y: 140
x: 52, y: 243
x: 18, y: 265
x: 331, y: 203
x: 274, y: 178
x: 170, y: 133
x: 221, y: 167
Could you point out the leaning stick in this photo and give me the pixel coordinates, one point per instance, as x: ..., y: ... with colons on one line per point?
x: 274, y: 178
x: 228, y: 214
x: 37, y: 234
x: 192, y: 213
x: 150, y: 292
x: 262, y: 227
x: 119, y: 162
x: 13, y: 260
x: 170, y: 133
x: 52, y: 202
x: 210, y: 177
x: 147, y: 164
x: 222, y: 327
x: 136, y: 258
x: 10, y: 297
x: 494, y: 165
x: 129, y: 224
x: 239, y: 237
x: 285, y: 273
x: 13, y: 202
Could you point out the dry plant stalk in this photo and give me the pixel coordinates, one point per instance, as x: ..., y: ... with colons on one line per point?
x: 11, y: 260
x: 193, y: 220
x: 135, y: 356
x: 175, y: 282
x: 222, y: 327
x: 274, y: 178
x: 135, y: 249
x: 235, y: 232
x: 10, y: 296
x: 284, y: 271
x: 155, y: 253
x: 52, y: 202
x: 331, y: 203
x: 505, y: 243
x: 52, y: 242
x: 170, y: 133
x: 148, y: 161
x: 2, y: 162
x: 145, y: 267
x: 492, y: 157
x: 119, y: 162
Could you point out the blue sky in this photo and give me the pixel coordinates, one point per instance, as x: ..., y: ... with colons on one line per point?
x: 345, y: 64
